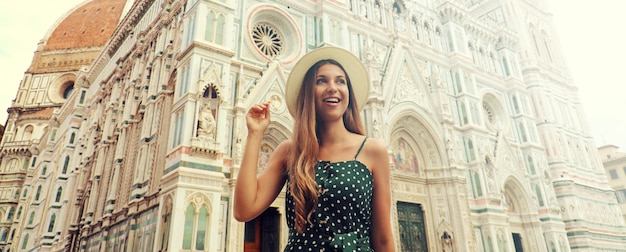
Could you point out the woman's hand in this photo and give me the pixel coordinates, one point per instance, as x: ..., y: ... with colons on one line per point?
x: 258, y: 118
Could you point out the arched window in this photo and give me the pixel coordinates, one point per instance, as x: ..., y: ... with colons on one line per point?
x: 65, y: 165
x: 477, y: 185
x: 11, y: 213
x: 4, y: 235
x: 457, y: 81
x: 522, y: 131
x: 196, y: 223
x: 25, y: 193
x: 72, y: 136
x: 28, y: 133
x: 25, y: 241
x: 69, y: 87
x: 201, y: 228
x: 188, y: 231
x: 167, y: 222
x: 44, y: 170
x: 31, y: 218
x: 59, y: 192
x: 19, y: 213
x: 531, y: 165
x: 210, y: 20
x: 505, y: 65
x: 546, y: 45
x: 38, y: 192
x: 53, y: 218
x: 464, y: 118
x: 515, y: 105
x: 214, y: 30
x: 539, y: 195
x: 470, y: 149
x: 219, y: 34
x: 12, y: 165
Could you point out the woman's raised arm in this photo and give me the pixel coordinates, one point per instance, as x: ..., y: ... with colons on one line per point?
x: 251, y: 196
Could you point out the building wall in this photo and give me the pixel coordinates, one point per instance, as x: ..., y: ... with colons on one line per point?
x: 487, y: 138
x: 614, y: 162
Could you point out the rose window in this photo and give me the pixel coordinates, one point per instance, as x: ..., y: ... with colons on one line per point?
x: 267, y: 39
x: 488, y: 112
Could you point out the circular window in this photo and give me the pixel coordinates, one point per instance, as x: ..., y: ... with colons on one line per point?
x: 69, y: 87
x: 272, y: 34
x: 61, y: 88
x: 488, y: 112
x: 267, y: 39
x: 494, y: 112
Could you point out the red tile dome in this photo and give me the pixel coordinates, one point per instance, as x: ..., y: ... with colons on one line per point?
x: 89, y: 25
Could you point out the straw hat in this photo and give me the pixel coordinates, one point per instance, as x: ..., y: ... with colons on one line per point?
x: 351, y: 64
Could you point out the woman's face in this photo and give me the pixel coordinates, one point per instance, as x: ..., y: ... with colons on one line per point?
x: 331, y: 92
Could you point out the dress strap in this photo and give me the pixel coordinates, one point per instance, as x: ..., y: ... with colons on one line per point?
x: 361, y: 147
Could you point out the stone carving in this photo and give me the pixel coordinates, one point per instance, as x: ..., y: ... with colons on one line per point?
x: 206, y: 122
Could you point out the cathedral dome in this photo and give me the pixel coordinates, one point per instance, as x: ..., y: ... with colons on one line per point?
x: 88, y: 25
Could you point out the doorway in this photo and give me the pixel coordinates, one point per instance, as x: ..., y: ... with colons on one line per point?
x: 517, y: 240
x: 262, y: 234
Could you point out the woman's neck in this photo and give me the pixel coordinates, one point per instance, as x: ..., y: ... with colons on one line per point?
x: 333, y: 132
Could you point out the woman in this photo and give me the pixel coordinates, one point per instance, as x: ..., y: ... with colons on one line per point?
x: 338, y: 193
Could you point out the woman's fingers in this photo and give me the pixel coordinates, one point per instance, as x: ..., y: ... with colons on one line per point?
x: 261, y: 110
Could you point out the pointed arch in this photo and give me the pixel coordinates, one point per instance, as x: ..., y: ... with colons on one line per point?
x: 57, y: 198
x: 66, y: 163
x: 53, y: 219
x: 407, y: 81
x: 166, y: 221
x: 31, y: 218
x: 519, y: 195
x: 28, y: 133
x: 414, y: 131
x: 38, y: 193
x: 197, y: 221
x: 210, y: 79
x: 3, y: 237
x: 19, y: 213
x: 10, y: 214
x: 25, y: 241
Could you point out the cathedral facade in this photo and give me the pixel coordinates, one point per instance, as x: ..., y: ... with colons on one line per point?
x: 127, y: 135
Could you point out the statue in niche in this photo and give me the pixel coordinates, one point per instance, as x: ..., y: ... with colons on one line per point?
x: 376, y: 129
x: 447, y: 242
x: 398, y: 23
x: 377, y: 15
x: 238, y: 150
x: 436, y: 76
x: 363, y: 9
x: 206, y: 122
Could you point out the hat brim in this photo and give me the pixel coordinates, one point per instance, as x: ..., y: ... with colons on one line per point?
x: 359, y: 79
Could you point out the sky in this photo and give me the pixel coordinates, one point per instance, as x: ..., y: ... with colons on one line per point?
x: 592, y: 37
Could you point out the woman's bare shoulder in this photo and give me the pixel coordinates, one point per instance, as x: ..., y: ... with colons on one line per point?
x: 285, y: 145
x: 375, y: 145
x: 283, y: 149
x: 374, y: 153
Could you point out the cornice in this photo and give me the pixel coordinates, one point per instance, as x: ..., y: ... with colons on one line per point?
x: 195, y: 44
x: 452, y: 12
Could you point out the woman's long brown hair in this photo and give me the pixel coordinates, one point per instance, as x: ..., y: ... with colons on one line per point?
x: 304, y: 155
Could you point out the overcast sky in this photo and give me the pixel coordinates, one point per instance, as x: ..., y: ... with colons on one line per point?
x: 592, y: 36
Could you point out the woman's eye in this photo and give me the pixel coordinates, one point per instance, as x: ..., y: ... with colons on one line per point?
x: 342, y: 81
x: 320, y: 81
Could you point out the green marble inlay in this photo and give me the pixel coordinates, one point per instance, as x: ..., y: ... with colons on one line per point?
x: 193, y: 165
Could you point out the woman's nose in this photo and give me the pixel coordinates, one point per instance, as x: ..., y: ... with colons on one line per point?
x: 332, y: 87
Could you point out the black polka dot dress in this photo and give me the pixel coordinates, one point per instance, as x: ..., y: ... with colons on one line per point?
x: 342, y: 218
